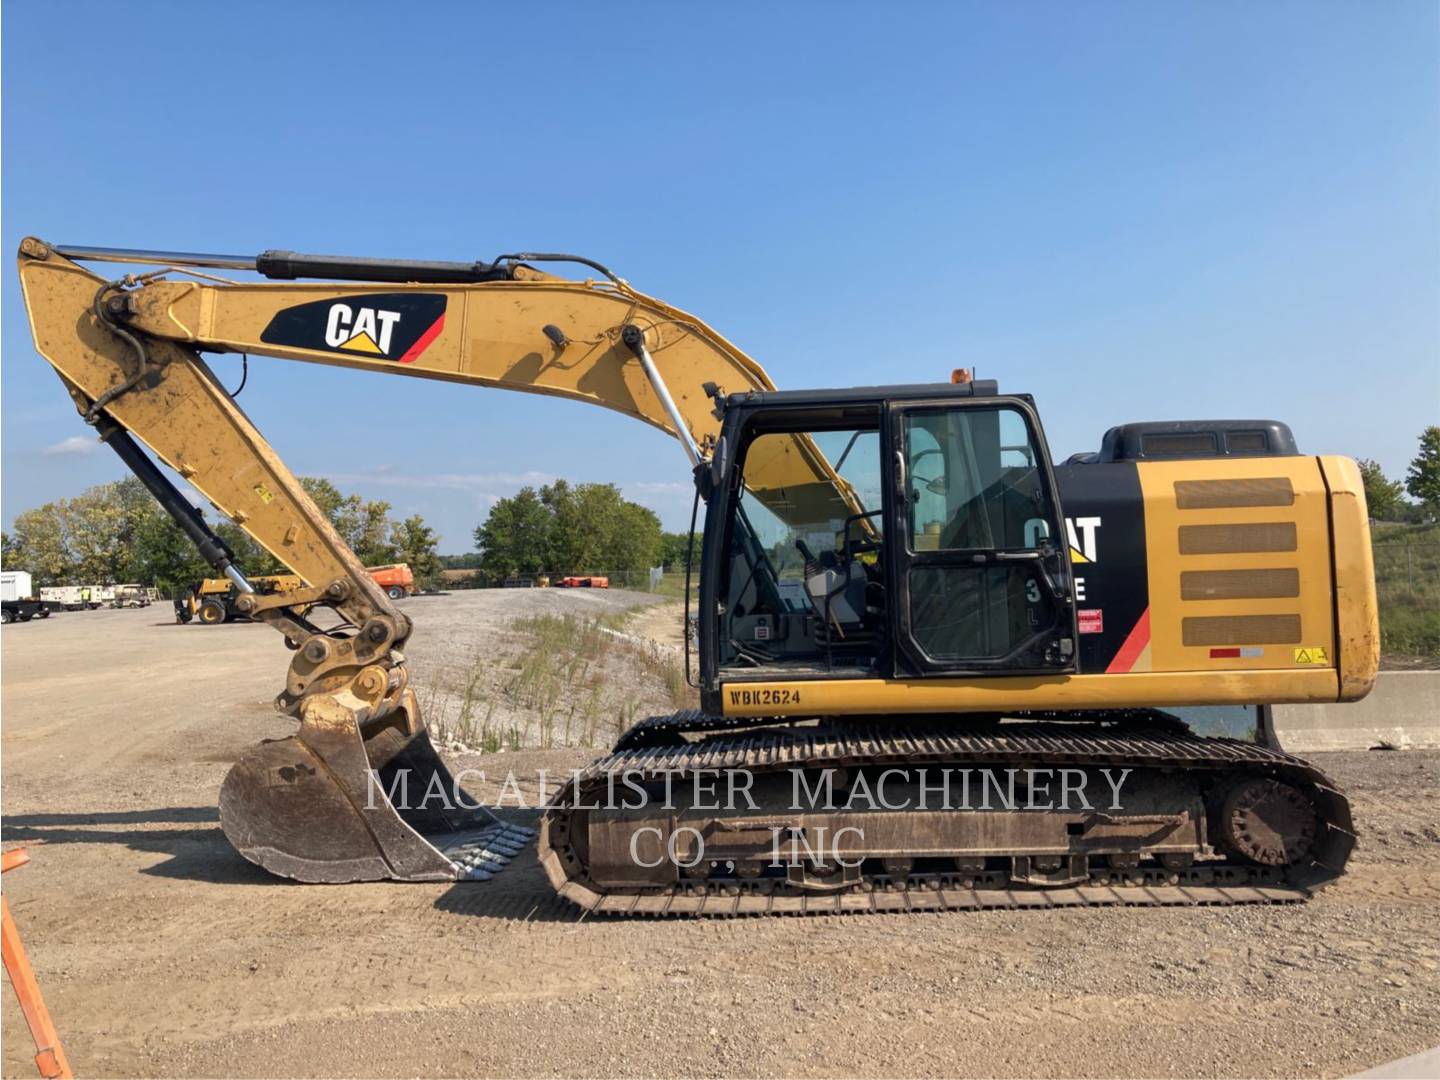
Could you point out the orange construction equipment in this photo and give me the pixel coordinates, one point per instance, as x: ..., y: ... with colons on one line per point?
x: 49, y: 1055
x: 396, y: 579
x: 584, y: 582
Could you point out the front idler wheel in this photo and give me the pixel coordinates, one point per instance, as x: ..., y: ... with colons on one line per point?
x: 1268, y: 822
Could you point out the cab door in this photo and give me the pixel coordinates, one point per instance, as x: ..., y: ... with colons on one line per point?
x: 979, y: 571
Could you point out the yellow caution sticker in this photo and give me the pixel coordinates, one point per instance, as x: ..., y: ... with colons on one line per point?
x: 265, y: 493
x: 1314, y: 655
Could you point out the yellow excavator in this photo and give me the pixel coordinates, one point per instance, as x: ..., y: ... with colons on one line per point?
x: 936, y: 670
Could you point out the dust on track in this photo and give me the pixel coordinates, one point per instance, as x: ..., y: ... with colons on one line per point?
x: 161, y: 952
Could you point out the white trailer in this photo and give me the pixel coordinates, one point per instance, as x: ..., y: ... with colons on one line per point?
x: 71, y: 597
x: 17, y: 598
x: 16, y: 585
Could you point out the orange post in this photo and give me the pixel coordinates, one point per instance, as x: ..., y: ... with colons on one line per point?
x: 49, y: 1055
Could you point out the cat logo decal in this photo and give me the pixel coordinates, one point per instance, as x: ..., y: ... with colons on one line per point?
x: 388, y: 326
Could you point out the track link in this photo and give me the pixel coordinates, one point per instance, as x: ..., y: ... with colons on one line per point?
x: 662, y: 745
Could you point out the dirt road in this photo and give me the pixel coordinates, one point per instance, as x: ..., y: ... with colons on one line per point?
x: 161, y: 952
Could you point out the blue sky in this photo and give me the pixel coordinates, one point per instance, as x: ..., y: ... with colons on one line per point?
x: 1132, y: 211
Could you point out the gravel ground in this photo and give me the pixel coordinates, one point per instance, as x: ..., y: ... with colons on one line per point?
x: 163, y: 953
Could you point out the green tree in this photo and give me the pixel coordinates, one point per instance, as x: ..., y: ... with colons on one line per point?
x: 1385, y: 498
x: 1423, y: 479
x: 134, y: 506
x: 567, y: 528
x: 470, y: 560
x: 109, y: 533
x: 38, y: 545
x: 585, y: 519
x: 634, y: 539
x: 565, y: 541
x: 94, y: 534
x: 367, y: 529
x: 87, y: 539
x: 363, y: 524
x: 414, y: 543
x: 515, y: 536
x: 165, y: 557
x: 673, y: 551
x: 324, y: 494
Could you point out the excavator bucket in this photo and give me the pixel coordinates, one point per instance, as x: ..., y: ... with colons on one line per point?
x: 340, y: 802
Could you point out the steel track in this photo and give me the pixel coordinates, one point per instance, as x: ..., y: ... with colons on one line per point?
x: 659, y: 746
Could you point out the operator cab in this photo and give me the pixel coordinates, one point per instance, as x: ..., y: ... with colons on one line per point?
x: 880, y: 532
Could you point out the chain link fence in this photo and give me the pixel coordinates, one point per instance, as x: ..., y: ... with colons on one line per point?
x: 1414, y: 568
x: 654, y: 579
x: 1407, y: 578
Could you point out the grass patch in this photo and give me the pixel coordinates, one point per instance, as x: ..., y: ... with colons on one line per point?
x: 474, y: 724
x: 1407, y: 582
x: 559, y: 654
x: 581, y: 681
x: 673, y: 586
x: 567, y: 666
x: 670, y: 672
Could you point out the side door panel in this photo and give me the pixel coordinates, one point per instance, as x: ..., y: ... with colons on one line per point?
x: 979, y: 567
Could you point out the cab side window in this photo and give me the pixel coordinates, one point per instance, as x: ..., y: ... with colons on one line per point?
x: 804, y: 577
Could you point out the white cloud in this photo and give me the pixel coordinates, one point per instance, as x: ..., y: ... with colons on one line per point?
x: 71, y: 447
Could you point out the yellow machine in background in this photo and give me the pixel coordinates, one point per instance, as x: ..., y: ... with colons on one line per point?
x: 212, y: 601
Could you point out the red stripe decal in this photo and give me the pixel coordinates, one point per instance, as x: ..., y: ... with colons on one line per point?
x: 413, y: 353
x: 1224, y: 654
x: 1134, y: 645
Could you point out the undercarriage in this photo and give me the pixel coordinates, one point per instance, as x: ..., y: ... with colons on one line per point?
x: 942, y: 813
